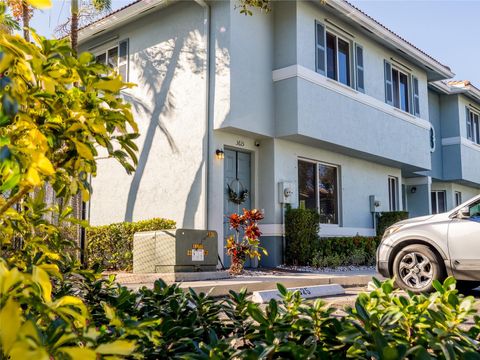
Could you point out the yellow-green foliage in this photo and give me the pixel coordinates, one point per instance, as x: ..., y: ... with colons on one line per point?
x: 57, y: 112
x: 111, y: 245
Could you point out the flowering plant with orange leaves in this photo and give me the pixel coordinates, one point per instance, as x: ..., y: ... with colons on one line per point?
x: 246, y: 240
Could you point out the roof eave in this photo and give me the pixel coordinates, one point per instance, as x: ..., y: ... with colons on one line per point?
x: 441, y: 71
x: 119, y: 18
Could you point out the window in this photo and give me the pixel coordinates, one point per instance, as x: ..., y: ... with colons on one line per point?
x: 401, y: 90
x: 393, y: 193
x: 116, y: 57
x: 458, y: 198
x: 318, y: 189
x: 336, y: 59
x: 473, y: 126
x: 438, y: 202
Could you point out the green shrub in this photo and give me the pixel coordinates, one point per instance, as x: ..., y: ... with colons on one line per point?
x: 110, y: 246
x: 301, y: 232
x: 344, y: 251
x: 168, y: 322
x: 386, y: 219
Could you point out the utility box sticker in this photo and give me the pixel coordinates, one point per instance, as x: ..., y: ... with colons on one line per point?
x: 198, y: 255
x: 197, y: 252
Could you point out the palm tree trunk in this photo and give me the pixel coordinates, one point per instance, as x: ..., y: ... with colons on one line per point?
x: 26, y: 21
x: 74, y: 26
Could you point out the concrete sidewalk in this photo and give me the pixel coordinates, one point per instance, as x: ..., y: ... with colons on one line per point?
x: 254, y: 282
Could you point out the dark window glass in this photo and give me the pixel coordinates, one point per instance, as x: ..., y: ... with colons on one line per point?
x: 328, y: 194
x: 476, y: 129
x: 438, y: 202
x: 307, y: 185
x: 392, y: 193
x: 434, y: 202
x: 403, y: 92
x: 102, y: 58
x: 331, y: 56
x: 343, y: 62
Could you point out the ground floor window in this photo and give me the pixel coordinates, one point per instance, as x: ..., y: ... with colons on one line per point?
x: 392, y: 193
x: 318, y: 189
x: 458, y: 198
x: 438, y: 202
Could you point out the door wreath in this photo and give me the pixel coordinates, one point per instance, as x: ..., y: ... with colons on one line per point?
x: 241, y: 196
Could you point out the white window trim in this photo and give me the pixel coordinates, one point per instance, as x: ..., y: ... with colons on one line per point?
x: 105, y: 48
x: 459, y: 194
x: 328, y: 30
x: 317, y: 181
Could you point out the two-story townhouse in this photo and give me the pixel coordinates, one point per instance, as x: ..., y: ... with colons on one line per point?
x: 318, y: 97
x: 454, y: 108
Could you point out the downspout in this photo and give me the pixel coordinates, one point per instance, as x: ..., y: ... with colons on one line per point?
x: 207, y: 31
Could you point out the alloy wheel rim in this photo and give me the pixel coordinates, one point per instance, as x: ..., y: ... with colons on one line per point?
x: 415, y: 270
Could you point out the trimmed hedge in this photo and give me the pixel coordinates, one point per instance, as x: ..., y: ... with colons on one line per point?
x: 305, y: 247
x: 343, y: 251
x: 386, y: 219
x: 301, y: 233
x: 111, y: 246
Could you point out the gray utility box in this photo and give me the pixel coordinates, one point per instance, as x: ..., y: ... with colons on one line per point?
x: 181, y: 250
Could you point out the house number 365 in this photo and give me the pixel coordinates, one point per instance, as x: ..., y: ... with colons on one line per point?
x: 240, y: 143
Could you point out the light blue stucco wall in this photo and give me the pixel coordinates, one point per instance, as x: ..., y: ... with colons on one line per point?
x: 285, y: 38
x: 327, y: 115
x: 418, y: 203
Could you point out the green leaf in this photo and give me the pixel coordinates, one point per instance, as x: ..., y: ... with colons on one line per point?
x: 118, y: 347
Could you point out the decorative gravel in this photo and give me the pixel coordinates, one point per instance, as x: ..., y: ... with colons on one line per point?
x: 311, y: 269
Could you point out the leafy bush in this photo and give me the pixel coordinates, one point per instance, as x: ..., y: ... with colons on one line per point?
x: 111, y: 246
x: 301, y: 232
x: 386, y: 219
x: 342, y: 251
x: 168, y: 322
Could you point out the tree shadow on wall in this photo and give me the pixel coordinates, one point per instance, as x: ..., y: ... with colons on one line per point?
x: 158, y: 65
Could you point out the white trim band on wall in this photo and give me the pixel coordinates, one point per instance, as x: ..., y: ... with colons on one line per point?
x: 318, y: 79
x: 460, y: 140
x: 325, y: 230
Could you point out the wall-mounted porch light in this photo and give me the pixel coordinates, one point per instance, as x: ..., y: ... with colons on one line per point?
x: 413, y: 190
x: 220, y: 154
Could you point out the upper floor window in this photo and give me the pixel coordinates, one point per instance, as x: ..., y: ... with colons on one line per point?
x: 318, y: 189
x: 473, y: 126
x: 335, y: 58
x: 401, y: 89
x: 116, y: 57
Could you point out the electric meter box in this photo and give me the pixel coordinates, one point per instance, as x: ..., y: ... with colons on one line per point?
x: 286, y: 192
x: 169, y: 251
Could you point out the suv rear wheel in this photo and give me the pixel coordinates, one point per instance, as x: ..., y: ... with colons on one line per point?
x: 416, y: 267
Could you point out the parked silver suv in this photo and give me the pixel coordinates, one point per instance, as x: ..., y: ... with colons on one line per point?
x: 419, y: 250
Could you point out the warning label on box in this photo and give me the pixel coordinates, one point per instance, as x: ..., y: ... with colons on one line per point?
x: 198, y: 255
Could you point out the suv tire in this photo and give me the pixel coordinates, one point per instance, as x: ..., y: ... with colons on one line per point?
x: 415, y: 267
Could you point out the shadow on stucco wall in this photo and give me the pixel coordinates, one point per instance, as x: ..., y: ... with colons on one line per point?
x: 158, y: 66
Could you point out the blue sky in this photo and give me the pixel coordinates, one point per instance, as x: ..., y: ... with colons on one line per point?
x: 445, y: 29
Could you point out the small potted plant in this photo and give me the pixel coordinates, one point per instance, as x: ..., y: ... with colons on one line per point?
x: 246, y: 240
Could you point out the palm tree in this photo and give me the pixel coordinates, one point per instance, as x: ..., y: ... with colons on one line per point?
x: 98, y: 5
x: 21, y: 10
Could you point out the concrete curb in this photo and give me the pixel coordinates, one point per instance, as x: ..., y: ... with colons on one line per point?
x: 253, y: 283
x: 308, y: 292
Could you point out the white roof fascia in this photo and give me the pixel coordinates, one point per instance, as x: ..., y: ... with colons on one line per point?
x: 129, y: 13
x: 387, y: 35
